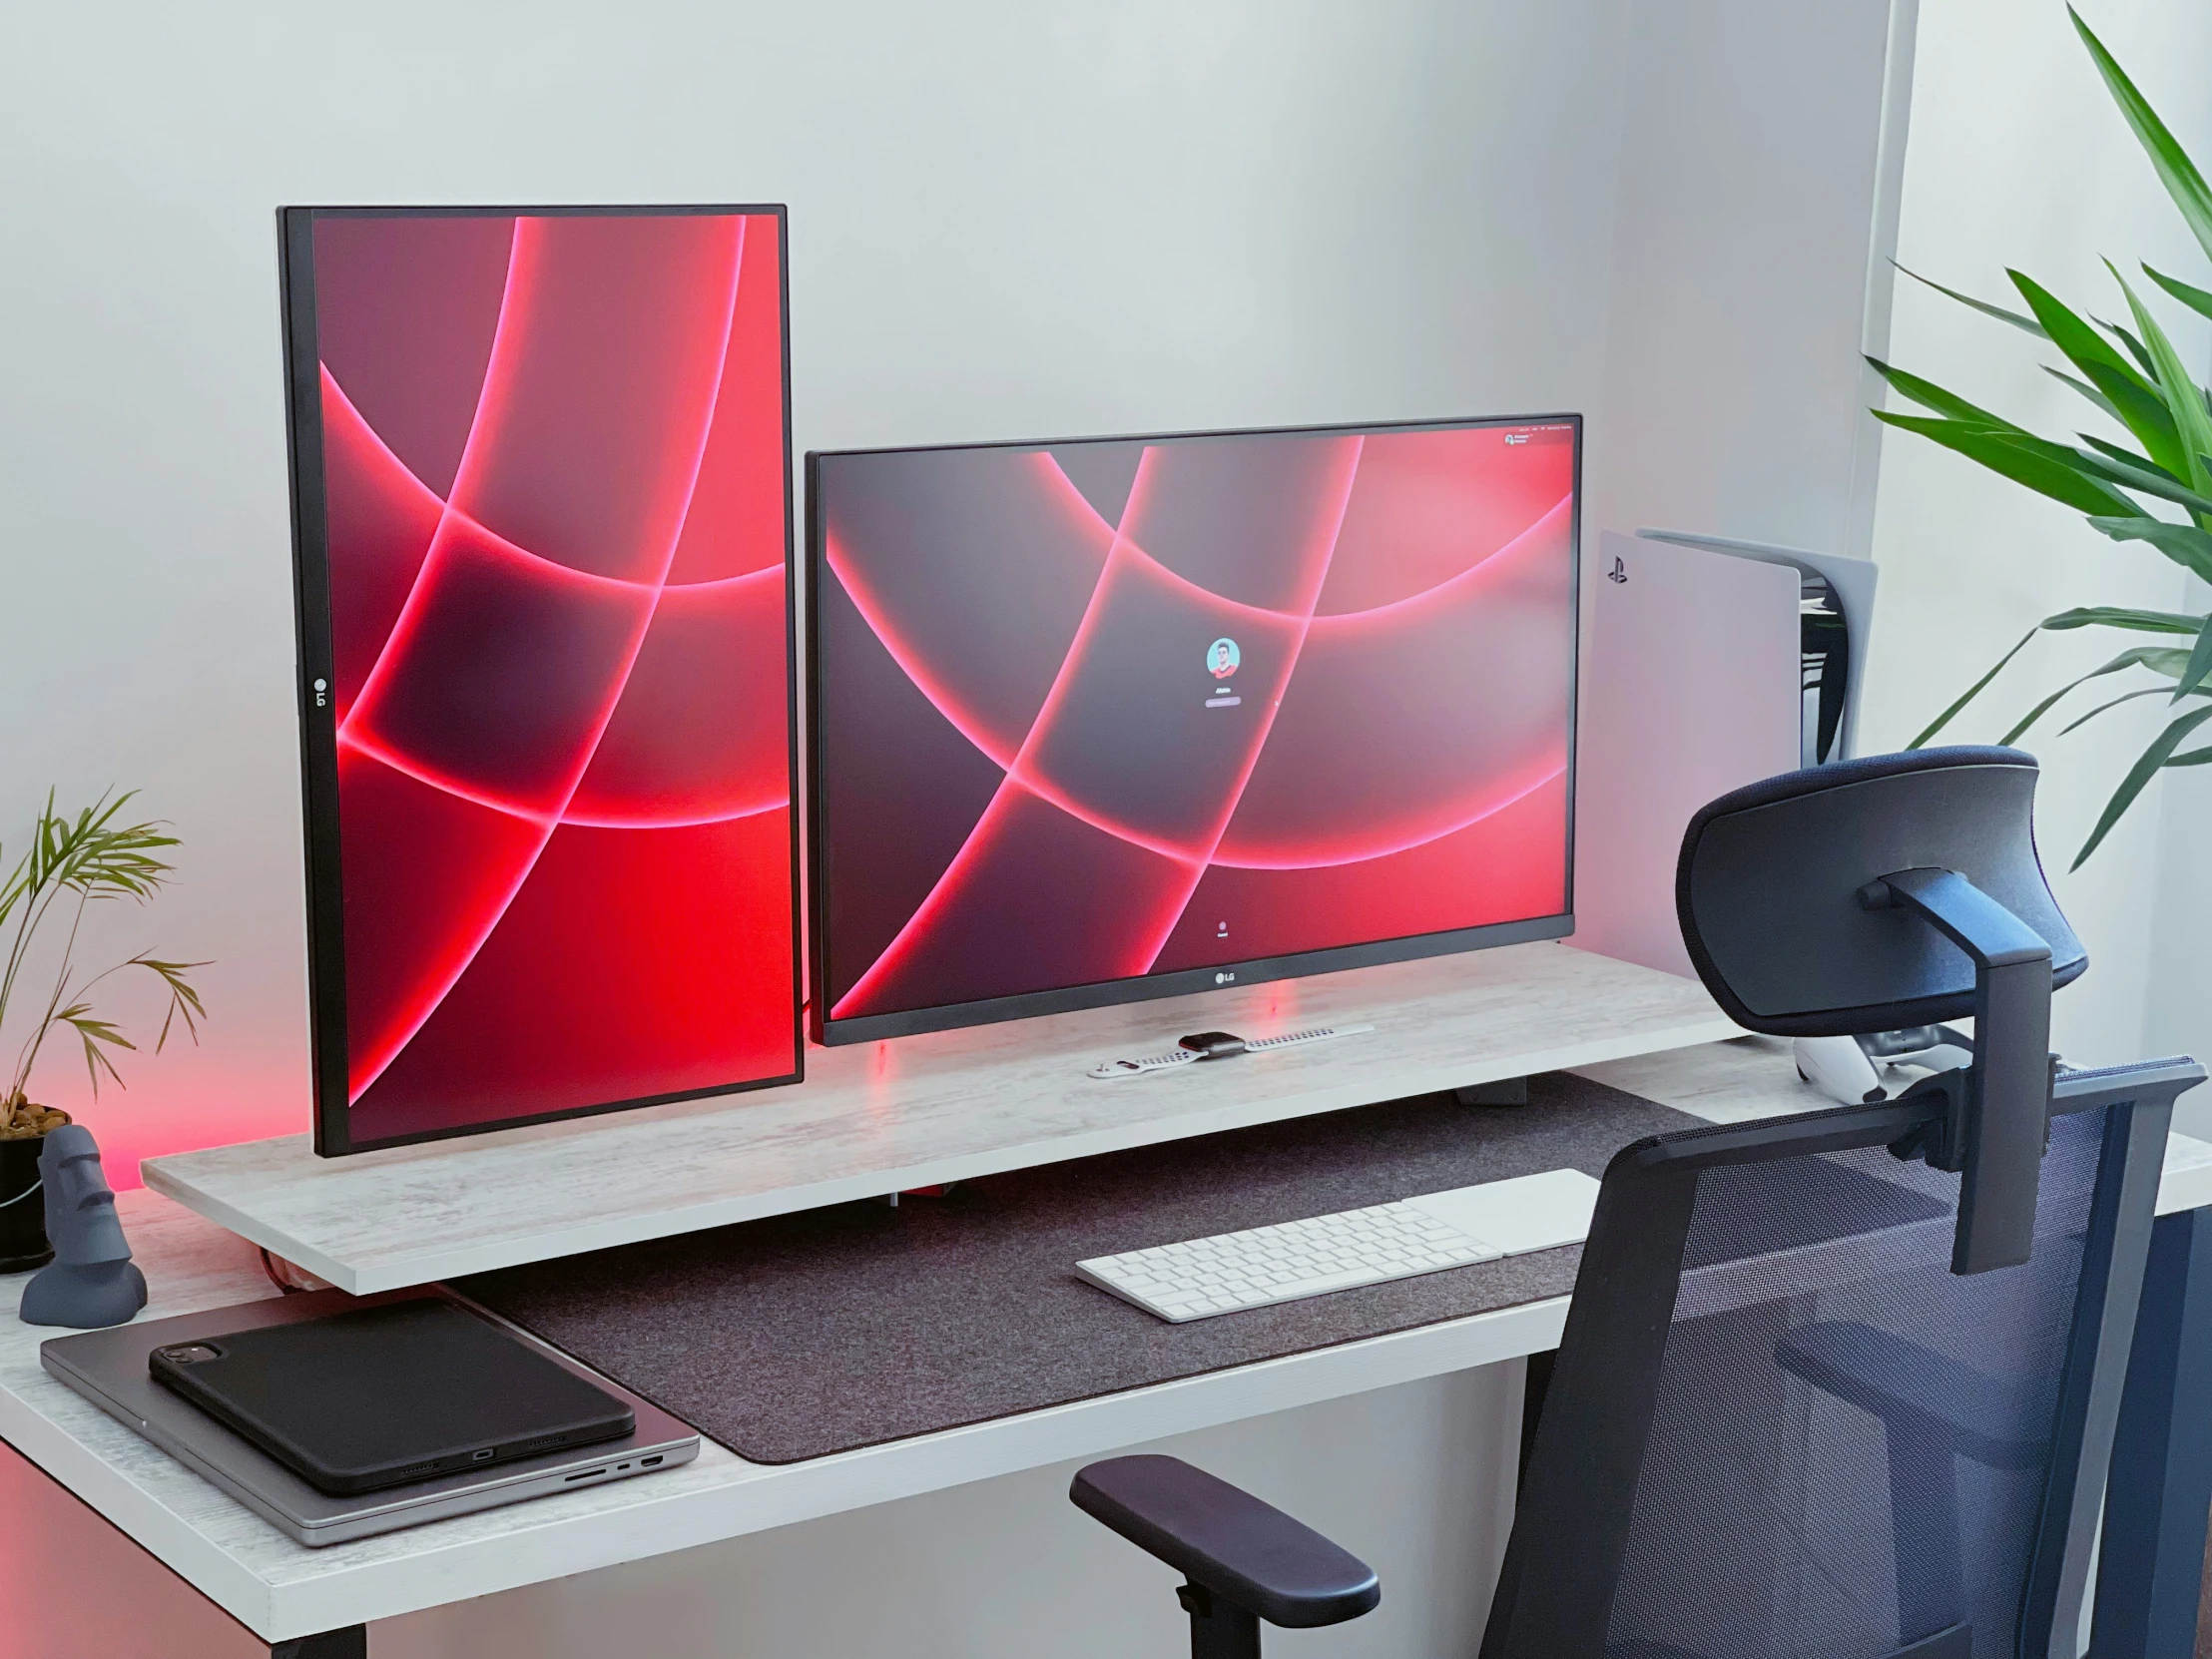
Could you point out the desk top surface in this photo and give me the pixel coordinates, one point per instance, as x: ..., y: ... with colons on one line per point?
x: 886, y: 1117
x: 279, y: 1589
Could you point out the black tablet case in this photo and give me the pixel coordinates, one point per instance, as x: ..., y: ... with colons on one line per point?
x: 381, y: 1395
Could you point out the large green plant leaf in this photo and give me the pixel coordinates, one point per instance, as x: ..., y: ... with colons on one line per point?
x: 2149, y: 481
x: 2174, y: 168
x: 2145, y: 768
x: 2126, y: 457
x: 1976, y: 690
x: 2087, y: 616
x: 2107, y: 707
x: 1928, y: 396
x: 2048, y: 468
x: 2200, y: 665
x: 2026, y: 324
x: 2194, y: 297
x: 2186, y: 544
x: 2088, y: 391
x: 2136, y: 401
x: 2159, y: 659
x: 2180, y: 393
x: 2123, y: 616
x: 2134, y: 345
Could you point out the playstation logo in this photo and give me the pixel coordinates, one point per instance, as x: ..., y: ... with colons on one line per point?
x: 1619, y: 572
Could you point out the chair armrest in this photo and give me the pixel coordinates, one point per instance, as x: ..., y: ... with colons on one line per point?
x: 1227, y: 1540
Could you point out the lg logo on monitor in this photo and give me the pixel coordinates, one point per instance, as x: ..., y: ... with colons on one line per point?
x: 1225, y: 978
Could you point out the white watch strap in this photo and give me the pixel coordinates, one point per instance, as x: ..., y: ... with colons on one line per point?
x: 1184, y: 1056
x: 1312, y: 1034
x: 1151, y: 1062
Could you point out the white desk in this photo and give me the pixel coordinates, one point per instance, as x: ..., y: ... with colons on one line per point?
x: 279, y: 1589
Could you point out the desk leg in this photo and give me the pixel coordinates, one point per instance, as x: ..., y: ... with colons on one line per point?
x: 1533, y: 1391
x: 350, y: 1643
x: 2150, y: 1565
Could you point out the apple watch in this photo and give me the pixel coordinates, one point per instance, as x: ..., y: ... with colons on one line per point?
x: 1221, y: 1045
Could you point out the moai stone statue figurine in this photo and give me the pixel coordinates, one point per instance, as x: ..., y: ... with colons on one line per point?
x: 92, y: 1280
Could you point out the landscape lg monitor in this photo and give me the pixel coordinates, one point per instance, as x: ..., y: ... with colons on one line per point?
x: 542, y: 533
x: 1121, y: 718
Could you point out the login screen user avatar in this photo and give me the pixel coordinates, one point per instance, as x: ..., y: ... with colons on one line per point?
x: 553, y: 459
x: 1113, y: 710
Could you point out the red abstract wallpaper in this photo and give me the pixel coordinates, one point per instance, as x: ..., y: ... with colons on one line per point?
x: 1119, y: 709
x: 554, y: 474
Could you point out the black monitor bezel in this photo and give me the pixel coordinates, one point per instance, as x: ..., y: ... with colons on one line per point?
x: 312, y: 618
x: 1149, y: 987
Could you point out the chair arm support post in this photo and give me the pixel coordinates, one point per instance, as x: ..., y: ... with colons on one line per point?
x: 1219, y: 1629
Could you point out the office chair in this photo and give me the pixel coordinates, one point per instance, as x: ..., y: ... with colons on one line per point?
x: 1840, y: 1384
x: 1845, y: 1384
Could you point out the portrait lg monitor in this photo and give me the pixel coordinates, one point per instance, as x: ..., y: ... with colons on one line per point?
x: 1120, y: 718
x: 542, y: 532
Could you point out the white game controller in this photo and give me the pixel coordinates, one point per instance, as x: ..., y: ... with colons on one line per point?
x: 1852, y: 1069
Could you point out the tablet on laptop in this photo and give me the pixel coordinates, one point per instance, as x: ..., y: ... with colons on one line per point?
x: 111, y: 1368
x: 377, y: 1397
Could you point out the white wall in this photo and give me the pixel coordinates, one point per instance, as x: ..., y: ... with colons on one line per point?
x: 2017, y: 158
x: 1008, y: 220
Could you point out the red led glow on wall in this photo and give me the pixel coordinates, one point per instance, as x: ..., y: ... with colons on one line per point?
x: 550, y: 764
x: 1112, y: 711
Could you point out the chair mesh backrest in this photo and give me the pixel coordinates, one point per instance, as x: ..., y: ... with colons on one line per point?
x: 1850, y: 1443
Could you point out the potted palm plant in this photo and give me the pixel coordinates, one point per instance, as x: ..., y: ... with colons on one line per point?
x: 71, y: 863
x: 2158, y: 492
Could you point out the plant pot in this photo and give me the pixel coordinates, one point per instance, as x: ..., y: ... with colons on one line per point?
x: 23, y: 1243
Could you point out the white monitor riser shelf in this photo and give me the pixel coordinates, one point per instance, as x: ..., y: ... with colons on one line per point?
x: 885, y: 1117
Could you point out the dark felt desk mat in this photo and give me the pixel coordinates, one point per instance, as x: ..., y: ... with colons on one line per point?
x: 804, y: 1334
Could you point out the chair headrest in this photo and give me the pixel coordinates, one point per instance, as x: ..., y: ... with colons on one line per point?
x: 1767, y: 888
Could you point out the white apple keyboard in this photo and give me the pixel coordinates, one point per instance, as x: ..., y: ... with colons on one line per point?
x: 1262, y: 1266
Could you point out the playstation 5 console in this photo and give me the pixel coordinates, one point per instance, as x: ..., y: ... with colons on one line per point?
x: 1689, y: 690
x: 1714, y: 661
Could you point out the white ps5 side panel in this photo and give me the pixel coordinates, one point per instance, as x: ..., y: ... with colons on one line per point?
x: 1690, y: 688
